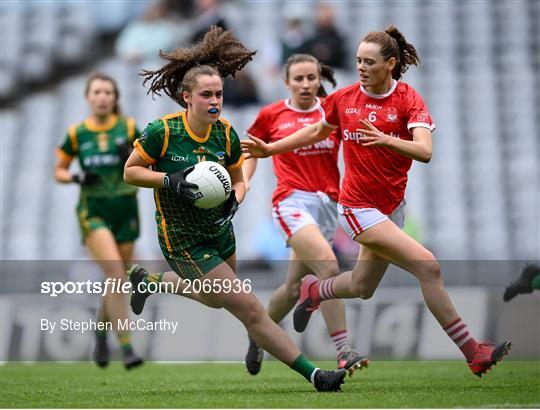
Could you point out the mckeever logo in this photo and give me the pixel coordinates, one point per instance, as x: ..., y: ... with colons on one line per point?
x: 373, y: 106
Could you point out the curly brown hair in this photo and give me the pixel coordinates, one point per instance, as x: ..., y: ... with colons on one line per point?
x: 393, y: 44
x: 218, y: 53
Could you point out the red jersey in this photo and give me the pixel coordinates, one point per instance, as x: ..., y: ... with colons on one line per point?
x: 375, y: 177
x: 312, y: 168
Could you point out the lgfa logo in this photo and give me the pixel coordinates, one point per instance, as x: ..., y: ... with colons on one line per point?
x: 352, y: 110
x: 285, y: 125
x: 179, y: 158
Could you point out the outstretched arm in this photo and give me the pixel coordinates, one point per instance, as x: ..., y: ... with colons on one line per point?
x: 256, y: 148
x: 418, y: 149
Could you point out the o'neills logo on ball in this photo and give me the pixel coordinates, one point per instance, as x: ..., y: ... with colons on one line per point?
x: 222, y: 178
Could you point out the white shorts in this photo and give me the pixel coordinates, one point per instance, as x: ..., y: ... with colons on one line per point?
x: 356, y: 220
x: 303, y: 208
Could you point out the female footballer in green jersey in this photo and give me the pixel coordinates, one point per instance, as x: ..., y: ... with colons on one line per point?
x: 107, y: 209
x: 199, y: 244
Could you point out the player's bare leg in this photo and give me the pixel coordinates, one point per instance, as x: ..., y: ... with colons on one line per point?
x: 368, y: 273
x: 286, y: 295
x: 315, y: 255
x: 104, y: 249
x: 266, y: 333
x: 312, y: 250
x: 391, y: 244
x: 281, y: 302
x: 311, y: 253
x: 101, y: 353
x: 126, y: 251
x: 166, y: 282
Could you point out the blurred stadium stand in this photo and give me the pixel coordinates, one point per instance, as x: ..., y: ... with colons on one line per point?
x: 480, y: 62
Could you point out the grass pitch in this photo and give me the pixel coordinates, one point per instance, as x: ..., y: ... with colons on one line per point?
x: 383, y: 384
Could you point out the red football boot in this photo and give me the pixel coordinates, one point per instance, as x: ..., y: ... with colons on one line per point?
x: 306, y: 305
x: 487, y: 355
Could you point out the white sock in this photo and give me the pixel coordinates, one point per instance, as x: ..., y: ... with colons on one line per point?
x: 312, y: 377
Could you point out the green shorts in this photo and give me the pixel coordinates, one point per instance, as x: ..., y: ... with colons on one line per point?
x: 201, y: 258
x: 120, y: 215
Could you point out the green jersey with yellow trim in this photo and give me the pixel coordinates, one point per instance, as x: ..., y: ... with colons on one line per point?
x: 169, y: 145
x: 96, y: 146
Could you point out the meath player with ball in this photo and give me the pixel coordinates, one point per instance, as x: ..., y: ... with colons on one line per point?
x: 199, y: 244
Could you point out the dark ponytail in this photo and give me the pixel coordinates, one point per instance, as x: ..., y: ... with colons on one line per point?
x: 407, y: 53
x: 327, y: 73
x: 394, y: 44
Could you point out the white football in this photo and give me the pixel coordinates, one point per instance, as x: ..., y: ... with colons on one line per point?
x: 214, y: 184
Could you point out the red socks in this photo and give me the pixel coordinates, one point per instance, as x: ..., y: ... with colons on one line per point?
x: 460, y: 335
x: 322, y: 290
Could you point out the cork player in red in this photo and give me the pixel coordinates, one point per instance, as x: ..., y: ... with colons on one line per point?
x: 384, y: 125
x: 304, y: 201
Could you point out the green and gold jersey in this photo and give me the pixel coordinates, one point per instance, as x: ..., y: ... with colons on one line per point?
x: 96, y: 147
x: 169, y: 145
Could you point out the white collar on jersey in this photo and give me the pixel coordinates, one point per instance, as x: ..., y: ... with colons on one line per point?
x: 314, y: 108
x: 379, y: 96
